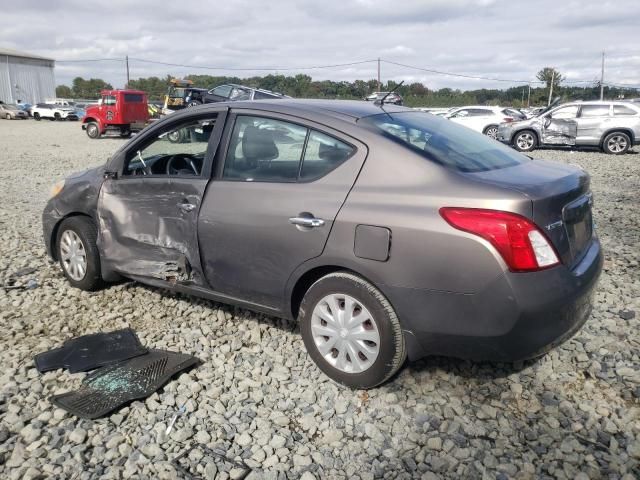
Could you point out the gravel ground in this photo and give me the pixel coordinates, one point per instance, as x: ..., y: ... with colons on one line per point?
x: 574, y: 414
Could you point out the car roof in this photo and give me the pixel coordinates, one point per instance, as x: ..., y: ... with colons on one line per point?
x: 340, y: 109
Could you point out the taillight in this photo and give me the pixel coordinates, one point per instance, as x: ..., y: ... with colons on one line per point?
x: 508, y: 119
x: 519, y: 241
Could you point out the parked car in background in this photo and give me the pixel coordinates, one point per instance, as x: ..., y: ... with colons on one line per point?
x: 393, y: 98
x: 232, y: 92
x: 25, y: 107
x: 483, y: 119
x: 434, y: 111
x: 613, y: 126
x: 53, y: 112
x: 459, y: 246
x: 80, y: 109
x: 10, y: 111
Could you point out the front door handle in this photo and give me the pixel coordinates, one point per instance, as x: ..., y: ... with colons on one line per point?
x: 309, y: 222
x: 186, y: 207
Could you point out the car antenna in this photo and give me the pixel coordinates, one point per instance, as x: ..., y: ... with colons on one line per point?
x: 381, y: 101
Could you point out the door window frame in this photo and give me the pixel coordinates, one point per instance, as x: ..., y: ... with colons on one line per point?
x: 223, y: 148
x: 609, y: 114
x: 118, y: 162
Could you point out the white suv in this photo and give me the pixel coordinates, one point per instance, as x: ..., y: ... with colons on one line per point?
x: 53, y: 112
x: 484, y: 119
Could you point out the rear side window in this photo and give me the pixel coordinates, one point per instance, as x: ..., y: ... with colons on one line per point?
x: 594, y: 111
x: 444, y: 142
x: 263, y: 96
x: 268, y: 150
x: 222, y: 91
x: 622, y: 110
x: 133, y: 98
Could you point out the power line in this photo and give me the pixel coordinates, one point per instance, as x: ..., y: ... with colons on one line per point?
x: 204, y: 67
x: 92, y: 60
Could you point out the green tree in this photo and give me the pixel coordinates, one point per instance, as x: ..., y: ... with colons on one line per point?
x: 547, y: 74
x: 64, y: 91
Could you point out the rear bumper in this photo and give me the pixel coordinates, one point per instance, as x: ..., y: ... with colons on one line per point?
x: 518, y: 316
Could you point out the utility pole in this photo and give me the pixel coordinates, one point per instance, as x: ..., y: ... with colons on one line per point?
x: 522, y: 101
x: 529, y: 97
x: 127, y: 61
x: 553, y: 78
x: 378, y: 73
x: 602, y: 79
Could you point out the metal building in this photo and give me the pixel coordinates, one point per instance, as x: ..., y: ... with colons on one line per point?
x: 25, y: 77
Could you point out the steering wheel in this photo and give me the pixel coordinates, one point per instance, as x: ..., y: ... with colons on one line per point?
x: 187, y: 160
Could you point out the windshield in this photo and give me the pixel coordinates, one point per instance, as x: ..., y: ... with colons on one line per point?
x: 10, y: 106
x: 444, y: 142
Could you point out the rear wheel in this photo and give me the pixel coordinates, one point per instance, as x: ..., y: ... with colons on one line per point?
x: 78, y: 254
x: 93, y: 131
x: 616, y: 143
x: 125, y: 133
x: 8, y: 116
x: 56, y: 116
x: 525, y: 141
x: 491, y: 131
x: 36, y: 116
x: 351, y: 331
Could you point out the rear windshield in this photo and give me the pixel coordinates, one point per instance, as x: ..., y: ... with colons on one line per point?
x: 444, y: 141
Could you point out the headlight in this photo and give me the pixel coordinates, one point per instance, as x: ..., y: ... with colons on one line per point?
x: 57, y: 188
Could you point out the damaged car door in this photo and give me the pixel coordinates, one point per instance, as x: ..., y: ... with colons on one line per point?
x: 559, y: 131
x: 149, y: 202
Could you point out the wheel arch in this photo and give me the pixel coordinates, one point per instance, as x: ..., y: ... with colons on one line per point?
x: 525, y: 129
x: 56, y: 228
x: 626, y: 131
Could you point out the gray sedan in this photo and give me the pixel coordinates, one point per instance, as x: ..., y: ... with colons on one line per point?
x: 612, y: 126
x: 10, y: 111
x: 385, y: 232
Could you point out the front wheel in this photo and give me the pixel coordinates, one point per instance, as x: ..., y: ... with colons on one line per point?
x: 491, y: 131
x: 351, y: 331
x: 78, y: 254
x: 93, y: 131
x: 36, y: 116
x: 616, y: 143
x: 57, y: 117
x: 8, y: 116
x: 525, y: 141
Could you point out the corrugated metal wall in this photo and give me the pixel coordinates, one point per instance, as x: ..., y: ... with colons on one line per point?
x: 26, y: 79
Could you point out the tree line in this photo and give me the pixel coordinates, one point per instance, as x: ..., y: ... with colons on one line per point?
x: 415, y: 94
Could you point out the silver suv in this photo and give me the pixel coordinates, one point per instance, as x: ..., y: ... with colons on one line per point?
x: 612, y: 126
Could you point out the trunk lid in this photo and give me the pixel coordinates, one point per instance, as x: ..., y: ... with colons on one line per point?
x: 561, y: 202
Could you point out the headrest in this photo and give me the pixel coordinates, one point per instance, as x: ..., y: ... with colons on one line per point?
x: 258, y: 144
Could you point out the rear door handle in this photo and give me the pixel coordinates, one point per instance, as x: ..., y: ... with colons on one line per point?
x: 186, y: 207
x: 309, y: 222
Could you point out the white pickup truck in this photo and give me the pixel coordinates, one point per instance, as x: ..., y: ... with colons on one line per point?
x: 53, y: 112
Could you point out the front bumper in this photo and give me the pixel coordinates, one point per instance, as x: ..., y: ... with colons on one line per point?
x: 518, y: 316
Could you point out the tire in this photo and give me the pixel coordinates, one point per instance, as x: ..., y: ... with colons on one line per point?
x: 93, y: 130
x: 177, y: 136
x: 125, y: 133
x: 56, y: 117
x: 616, y: 143
x: 378, y: 359
x: 36, y: 116
x: 525, y: 141
x: 491, y: 131
x: 8, y: 116
x: 77, y: 235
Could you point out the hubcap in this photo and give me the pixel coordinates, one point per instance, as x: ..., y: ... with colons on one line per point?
x: 617, y: 144
x: 492, y: 132
x: 525, y: 141
x: 345, y: 333
x: 73, y: 254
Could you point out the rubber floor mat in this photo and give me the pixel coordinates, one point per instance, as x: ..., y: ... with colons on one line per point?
x: 91, y: 351
x: 111, y: 387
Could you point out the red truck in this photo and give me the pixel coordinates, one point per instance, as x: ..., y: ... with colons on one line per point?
x: 119, y: 111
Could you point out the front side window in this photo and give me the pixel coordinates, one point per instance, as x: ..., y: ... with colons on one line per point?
x: 594, y: 111
x: 108, y: 100
x: 268, y: 150
x: 444, y: 142
x: 565, y: 112
x: 257, y: 95
x: 178, y: 151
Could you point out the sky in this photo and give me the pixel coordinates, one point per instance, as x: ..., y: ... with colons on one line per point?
x: 506, y: 39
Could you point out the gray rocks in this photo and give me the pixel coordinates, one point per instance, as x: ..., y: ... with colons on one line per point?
x: 258, y: 398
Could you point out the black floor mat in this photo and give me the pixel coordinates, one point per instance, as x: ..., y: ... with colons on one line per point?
x: 91, y: 351
x: 111, y: 387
